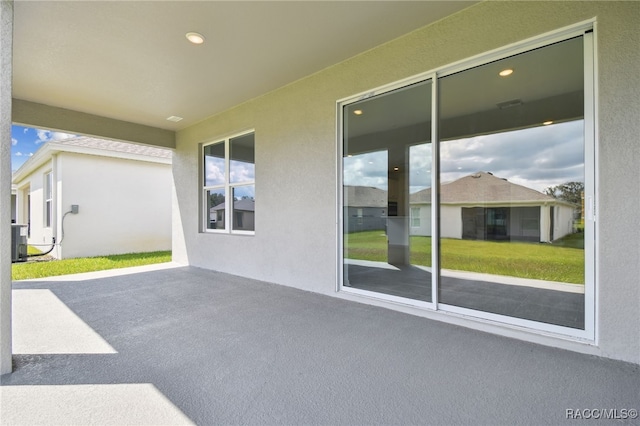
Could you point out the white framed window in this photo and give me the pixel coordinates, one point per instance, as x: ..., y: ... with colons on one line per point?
x: 415, y: 217
x: 228, y: 185
x: 48, y: 199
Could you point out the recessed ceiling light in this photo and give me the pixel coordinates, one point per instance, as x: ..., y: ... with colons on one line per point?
x: 506, y: 72
x: 396, y: 168
x: 358, y: 112
x: 546, y: 123
x: 195, y: 38
x: 174, y: 118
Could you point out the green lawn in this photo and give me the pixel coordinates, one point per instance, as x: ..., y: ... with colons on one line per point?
x: 23, y: 271
x: 562, y: 261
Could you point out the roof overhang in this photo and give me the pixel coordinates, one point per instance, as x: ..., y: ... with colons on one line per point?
x: 51, y: 148
x: 118, y: 70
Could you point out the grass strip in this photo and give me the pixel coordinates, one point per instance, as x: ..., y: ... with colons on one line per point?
x: 23, y: 271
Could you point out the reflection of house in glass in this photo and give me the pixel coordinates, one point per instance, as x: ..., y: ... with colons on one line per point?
x: 485, y: 207
x: 243, y: 215
x: 364, y: 208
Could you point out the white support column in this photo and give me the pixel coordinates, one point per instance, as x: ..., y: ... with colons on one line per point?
x: 6, y: 44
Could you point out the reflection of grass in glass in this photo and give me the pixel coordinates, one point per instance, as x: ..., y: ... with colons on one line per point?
x: 552, y: 262
x: 370, y: 245
x: 572, y: 240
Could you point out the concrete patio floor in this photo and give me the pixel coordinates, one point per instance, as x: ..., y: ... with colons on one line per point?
x: 183, y: 345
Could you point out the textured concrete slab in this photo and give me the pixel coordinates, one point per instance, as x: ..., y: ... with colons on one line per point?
x: 120, y: 404
x: 43, y: 324
x: 210, y: 348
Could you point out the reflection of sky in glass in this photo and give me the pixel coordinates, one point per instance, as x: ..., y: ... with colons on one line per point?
x: 538, y: 157
x: 368, y: 169
x: 241, y: 171
x: 419, y: 167
x: 246, y: 191
x: 214, y: 171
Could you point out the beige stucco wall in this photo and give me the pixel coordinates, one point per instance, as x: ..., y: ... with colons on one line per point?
x: 296, y: 158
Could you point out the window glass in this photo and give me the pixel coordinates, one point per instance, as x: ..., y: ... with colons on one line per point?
x: 415, y: 217
x: 214, y: 164
x: 244, y: 208
x: 242, y: 166
x: 386, y: 165
x: 48, y: 202
x: 512, y: 172
x: 215, y: 208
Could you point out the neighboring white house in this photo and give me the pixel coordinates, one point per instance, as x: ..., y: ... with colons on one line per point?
x: 485, y: 207
x: 243, y: 215
x: 122, y: 193
x: 365, y: 208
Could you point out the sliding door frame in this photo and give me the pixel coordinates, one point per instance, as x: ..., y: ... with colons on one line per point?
x: 586, y: 30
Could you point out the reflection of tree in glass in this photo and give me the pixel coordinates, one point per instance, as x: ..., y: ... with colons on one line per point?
x: 569, y: 191
x: 216, y: 199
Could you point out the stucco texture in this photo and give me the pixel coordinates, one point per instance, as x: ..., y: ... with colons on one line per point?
x: 295, y: 243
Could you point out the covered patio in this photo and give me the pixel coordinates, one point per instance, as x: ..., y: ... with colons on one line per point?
x: 178, y: 345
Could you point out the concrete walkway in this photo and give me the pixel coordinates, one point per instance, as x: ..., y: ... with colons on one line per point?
x: 183, y: 345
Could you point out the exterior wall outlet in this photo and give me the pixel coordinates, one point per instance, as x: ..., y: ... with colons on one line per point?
x: 74, y: 208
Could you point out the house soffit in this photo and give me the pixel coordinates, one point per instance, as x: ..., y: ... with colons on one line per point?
x: 130, y: 61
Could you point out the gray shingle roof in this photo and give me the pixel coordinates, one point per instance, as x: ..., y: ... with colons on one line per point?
x: 117, y: 146
x: 245, y: 204
x: 481, y: 188
x: 364, y: 196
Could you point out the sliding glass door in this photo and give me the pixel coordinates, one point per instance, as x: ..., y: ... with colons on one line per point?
x: 494, y: 218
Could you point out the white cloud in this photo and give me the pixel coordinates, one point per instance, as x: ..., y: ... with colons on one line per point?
x: 368, y: 169
x: 18, y: 154
x: 14, y: 141
x: 31, y: 154
x: 241, y: 171
x: 537, y: 158
x: 48, y: 135
x: 214, y: 170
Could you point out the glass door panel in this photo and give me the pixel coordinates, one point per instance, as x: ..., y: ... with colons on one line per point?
x: 512, y: 178
x: 386, y: 174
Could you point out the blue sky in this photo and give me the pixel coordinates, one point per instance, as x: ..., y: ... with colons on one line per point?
x: 25, y: 141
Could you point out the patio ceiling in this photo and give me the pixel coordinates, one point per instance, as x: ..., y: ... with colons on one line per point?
x: 130, y: 61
